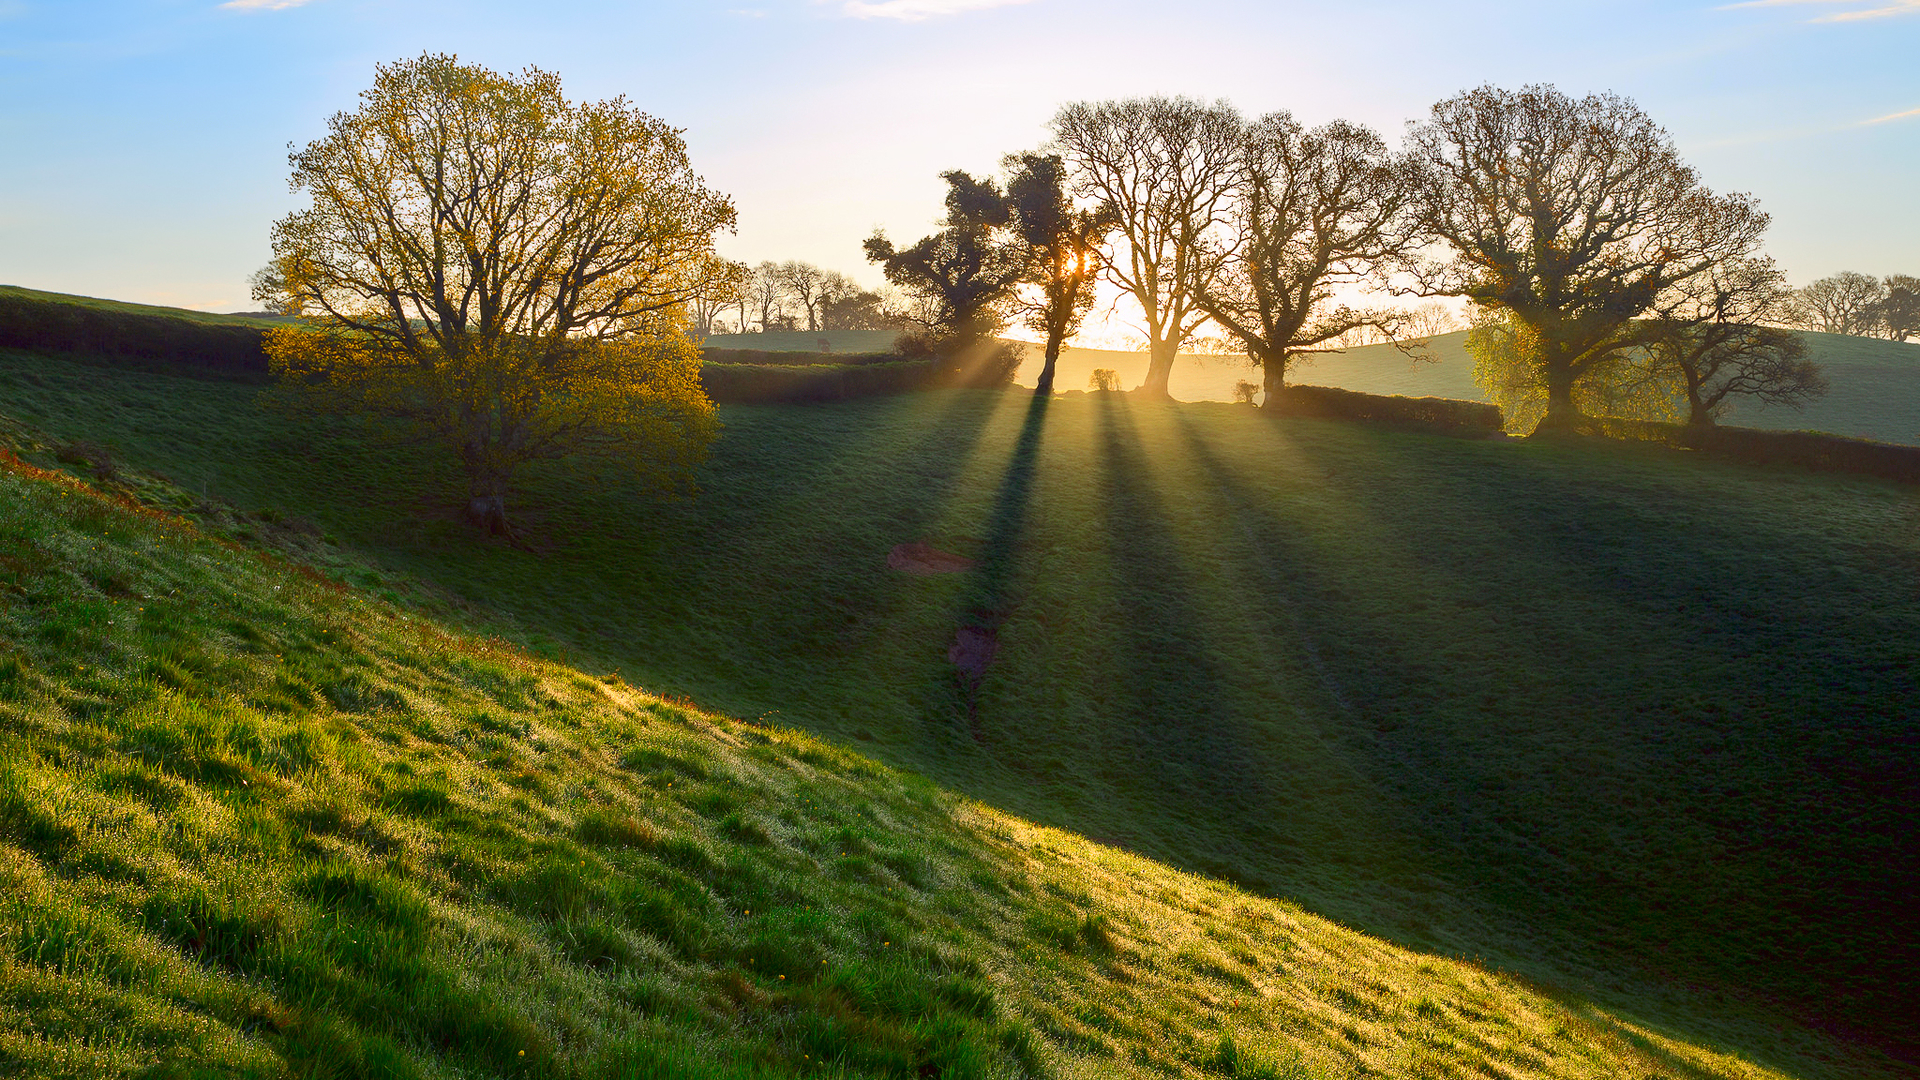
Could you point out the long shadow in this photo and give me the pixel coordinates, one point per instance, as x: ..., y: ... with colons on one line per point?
x: 992, y: 593
x: 1708, y: 789
x: 1172, y: 724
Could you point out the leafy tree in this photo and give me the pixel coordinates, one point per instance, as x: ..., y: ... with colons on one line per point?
x: 1309, y: 211
x: 967, y: 272
x: 861, y: 309
x: 1618, y: 384
x: 1899, y: 310
x: 1713, y: 333
x: 1567, y: 219
x: 1062, y: 244
x: 1165, y: 166
x: 1845, y: 303
x: 503, y: 271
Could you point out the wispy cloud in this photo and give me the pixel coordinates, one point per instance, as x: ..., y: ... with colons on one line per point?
x: 1857, y: 9
x: 1910, y: 114
x: 917, y: 10
x: 262, y: 5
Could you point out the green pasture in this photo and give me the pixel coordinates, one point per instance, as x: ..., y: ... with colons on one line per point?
x: 1621, y: 720
x: 255, y: 824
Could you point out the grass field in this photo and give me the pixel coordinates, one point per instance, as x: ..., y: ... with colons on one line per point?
x: 1624, y: 721
x: 253, y: 824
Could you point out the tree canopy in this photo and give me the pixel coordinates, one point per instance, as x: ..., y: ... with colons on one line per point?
x: 966, y: 272
x: 504, y: 270
x: 1308, y: 211
x: 1567, y: 218
x: 1062, y: 243
x: 1164, y: 166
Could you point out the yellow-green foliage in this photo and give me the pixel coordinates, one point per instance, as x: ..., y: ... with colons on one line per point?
x: 1623, y: 385
x: 255, y: 824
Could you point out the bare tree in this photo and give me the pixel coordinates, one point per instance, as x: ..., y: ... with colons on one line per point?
x: 1567, y: 217
x: 1845, y: 303
x: 1717, y: 333
x: 1430, y: 320
x: 766, y: 289
x: 1062, y: 244
x: 803, y: 281
x: 1164, y: 165
x: 1900, y: 310
x: 1309, y: 211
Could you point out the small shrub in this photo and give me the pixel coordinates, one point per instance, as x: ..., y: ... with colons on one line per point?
x: 1104, y: 381
x: 1244, y: 391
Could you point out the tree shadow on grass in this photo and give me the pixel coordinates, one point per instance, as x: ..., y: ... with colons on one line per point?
x: 1687, y: 800
x: 1173, y: 724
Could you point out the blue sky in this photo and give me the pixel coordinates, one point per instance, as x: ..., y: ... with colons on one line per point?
x: 143, y: 142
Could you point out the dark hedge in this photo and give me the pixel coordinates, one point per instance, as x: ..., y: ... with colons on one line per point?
x: 763, y: 357
x: 751, y: 383
x: 1810, y: 449
x: 1428, y: 413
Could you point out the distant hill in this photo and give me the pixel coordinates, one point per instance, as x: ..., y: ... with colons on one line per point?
x: 252, y: 319
x: 1875, y: 384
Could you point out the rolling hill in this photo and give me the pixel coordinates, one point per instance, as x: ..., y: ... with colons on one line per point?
x: 253, y: 823
x: 1628, y: 723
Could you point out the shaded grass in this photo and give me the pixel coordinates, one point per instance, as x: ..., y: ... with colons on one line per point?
x: 1624, y: 721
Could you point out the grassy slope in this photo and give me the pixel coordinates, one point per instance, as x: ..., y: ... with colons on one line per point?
x: 95, y: 302
x: 253, y: 824
x: 1613, y: 717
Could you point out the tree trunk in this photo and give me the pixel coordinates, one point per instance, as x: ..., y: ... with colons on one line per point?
x: 1160, y: 357
x: 1044, y: 386
x: 1561, y: 413
x: 489, y: 512
x: 1273, y: 380
x: 1698, y: 411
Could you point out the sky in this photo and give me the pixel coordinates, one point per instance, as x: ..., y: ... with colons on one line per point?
x: 143, y: 143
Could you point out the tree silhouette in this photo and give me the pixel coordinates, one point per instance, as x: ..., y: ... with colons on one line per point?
x: 1165, y: 166
x: 1062, y: 245
x: 1309, y: 211
x: 1712, y: 332
x: 967, y: 271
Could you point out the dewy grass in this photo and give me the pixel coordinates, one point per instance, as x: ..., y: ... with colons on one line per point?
x: 492, y: 865
x: 1633, y: 724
